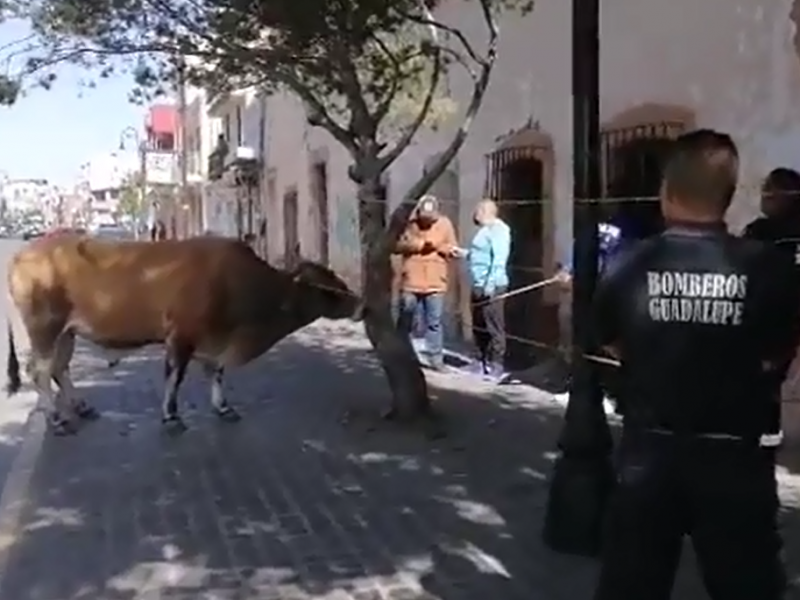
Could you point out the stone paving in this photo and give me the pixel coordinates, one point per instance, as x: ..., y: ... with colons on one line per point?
x: 294, y: 502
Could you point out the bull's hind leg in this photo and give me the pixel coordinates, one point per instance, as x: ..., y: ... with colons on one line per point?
x: 41, y: 370
x: 44, y: 334
x: 64, y: 349
x: 175, y: 363
x: 218, y: 400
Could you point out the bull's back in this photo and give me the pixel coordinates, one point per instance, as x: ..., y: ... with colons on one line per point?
x: 33, y: 280
x: 126, y: 294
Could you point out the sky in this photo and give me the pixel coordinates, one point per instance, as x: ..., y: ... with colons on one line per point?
x: 49, y: 133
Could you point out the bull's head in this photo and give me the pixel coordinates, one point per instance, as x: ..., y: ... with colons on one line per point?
x: 323, y: 293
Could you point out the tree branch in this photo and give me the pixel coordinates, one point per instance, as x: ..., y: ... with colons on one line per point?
x: 385, y: 105
x: 319, y: 116
x: 411, y: 130
x: 361, y: 122
x: 428, y: 21
x: 399, y: 217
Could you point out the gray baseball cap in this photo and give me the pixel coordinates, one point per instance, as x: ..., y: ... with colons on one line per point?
x: 428, y: 206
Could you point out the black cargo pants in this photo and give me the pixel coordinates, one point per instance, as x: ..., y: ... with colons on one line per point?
x: 722, y: 493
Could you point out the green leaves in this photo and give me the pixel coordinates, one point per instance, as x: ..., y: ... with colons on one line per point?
x: 130, y: 200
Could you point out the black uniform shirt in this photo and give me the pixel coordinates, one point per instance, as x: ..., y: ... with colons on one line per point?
x: 784, y: 232
x: 694, y: 313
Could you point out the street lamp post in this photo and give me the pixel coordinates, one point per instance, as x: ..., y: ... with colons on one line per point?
x: 183, y: 194
x: 141, y: 148
x: 583, y: 475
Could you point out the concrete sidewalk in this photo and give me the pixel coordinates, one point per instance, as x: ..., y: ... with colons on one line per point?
x: 296, y: 502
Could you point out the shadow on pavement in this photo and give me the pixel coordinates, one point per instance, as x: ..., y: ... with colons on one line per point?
x: 294, y: 502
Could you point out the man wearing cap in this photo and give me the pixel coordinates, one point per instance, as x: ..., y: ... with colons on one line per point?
x: 426, y: 247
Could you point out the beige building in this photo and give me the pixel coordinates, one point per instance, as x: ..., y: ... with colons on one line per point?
x: 665, y: 67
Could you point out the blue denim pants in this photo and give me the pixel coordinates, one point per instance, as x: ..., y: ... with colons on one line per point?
x: 430, y: 308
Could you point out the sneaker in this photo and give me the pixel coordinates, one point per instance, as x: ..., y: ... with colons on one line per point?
x: 608, y: 406
x: 476, y: 367
x: 495, y: 374
x: 437, y: 366
x: 435, y: 363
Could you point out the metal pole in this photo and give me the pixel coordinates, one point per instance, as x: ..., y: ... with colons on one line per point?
x: 249, y: 207
x: 143, y: 205
x: 239, y: 211
x: 583, y: 476
x: 184, y: 166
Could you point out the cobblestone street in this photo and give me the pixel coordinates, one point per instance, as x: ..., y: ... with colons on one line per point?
x: 294, y: 503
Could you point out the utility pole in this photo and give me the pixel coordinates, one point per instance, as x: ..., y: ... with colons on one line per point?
x: 143, y: 204
x: 183, y: 195
x: 582, y: 476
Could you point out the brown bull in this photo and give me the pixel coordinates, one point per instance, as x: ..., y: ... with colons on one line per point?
x: 207, y: 298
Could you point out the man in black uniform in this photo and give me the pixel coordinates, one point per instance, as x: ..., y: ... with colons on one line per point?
x: 696, y: 315
x: 780, y: 225
x: 780, y: 207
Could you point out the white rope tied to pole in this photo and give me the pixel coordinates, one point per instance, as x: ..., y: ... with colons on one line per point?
x: 522, y: 290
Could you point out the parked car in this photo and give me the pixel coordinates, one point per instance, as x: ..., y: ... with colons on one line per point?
x: 113, y: 232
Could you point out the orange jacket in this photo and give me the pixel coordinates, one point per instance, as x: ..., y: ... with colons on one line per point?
x: 425, y: 256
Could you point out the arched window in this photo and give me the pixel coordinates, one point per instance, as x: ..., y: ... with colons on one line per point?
x: 635, y: 144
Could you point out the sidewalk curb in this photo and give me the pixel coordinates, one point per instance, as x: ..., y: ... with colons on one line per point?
x: 15, y: 490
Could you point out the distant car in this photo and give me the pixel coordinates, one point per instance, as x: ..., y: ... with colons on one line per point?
x: 109, y: 232
x: 60, y: 230
x: 30, y: 234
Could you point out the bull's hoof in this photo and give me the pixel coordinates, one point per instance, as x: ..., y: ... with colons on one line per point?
x: 61, y: 427
x: 173, y: 425
x: 87, y: 412
x: 228, y: 415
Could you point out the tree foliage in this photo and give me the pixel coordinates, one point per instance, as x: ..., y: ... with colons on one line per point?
x: 130, y: 197
x: 362, y: 67
x: 370, y: 72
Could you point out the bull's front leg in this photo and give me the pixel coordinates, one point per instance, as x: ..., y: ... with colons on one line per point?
x: 175, y: 364
x: 219, y: 402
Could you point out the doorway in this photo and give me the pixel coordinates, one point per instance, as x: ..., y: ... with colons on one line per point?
x: 319, y: 182
x: 291, y: 228
x: 521, y: 187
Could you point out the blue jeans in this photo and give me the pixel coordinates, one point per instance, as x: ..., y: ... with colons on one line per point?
x: 431, y: 307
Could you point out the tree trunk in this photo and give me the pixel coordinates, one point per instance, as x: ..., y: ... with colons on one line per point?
x: 395, y: 352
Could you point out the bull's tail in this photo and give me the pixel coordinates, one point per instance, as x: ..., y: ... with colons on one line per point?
x: 14, y: 381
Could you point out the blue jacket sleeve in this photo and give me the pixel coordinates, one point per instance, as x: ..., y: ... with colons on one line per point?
x: 500, y: 241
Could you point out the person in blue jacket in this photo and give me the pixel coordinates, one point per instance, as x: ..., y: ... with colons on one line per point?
x: 609, y: 239
x: 487, y: 262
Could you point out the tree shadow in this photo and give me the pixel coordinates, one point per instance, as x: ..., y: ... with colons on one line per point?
x: 294, y: 502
